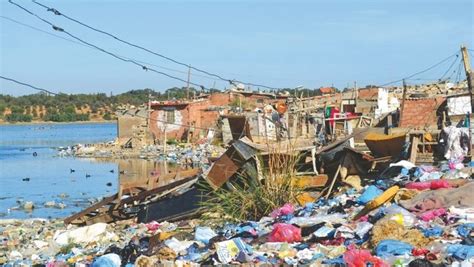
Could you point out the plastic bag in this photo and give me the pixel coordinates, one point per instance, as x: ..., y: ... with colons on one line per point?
x: 108, y: 260
x: 369, y: 194
x: 152, y: 226
x: 283, y: 232
x: 461, y: 252
x: 433, y: 185
x: 362, y: 257
x: 204, y: 234
x: 430, y: 215
x: 284, y: 210
x: 401, y: 215
x: 391, y: 247
x: 433, y: 232
x: 465, y: 229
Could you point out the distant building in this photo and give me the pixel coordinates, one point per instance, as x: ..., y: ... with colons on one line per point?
x: 327, y: 90
x: 189, y: 120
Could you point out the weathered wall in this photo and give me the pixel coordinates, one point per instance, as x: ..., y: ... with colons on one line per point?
x: 421, y: 112
x: 126, y: 126
x: 195, y: 113
x: 368, y: 93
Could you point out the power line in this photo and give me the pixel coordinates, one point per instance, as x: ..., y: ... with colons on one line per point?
x: 79, y: 43
x: 452, y: 64
x: 420, y: 72
x: 231, y: 81
x: 146, y: 68
x: 29, y: 85
x: 458, y: 76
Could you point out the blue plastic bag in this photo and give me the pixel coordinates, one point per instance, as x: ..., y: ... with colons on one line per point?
x: 204, y: 234
x: 434, y: 231
x: 369, y: 194
x: 465, y: 229
x: 108, y: 260
x: 461, y: 252
x: 390, y: 247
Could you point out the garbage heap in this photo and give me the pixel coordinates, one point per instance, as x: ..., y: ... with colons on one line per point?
x: 409, y: 216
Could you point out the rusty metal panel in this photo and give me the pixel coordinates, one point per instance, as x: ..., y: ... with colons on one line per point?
x: 222, y: 170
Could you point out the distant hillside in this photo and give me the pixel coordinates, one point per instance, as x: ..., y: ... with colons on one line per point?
x: 76, y: 107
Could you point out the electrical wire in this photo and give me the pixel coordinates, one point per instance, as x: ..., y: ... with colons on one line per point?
x: 231, y: 81
x: 452, y: 64
x: 459, y: 72
x: 420, y: 72
x: 146, y: 68
x: 29, y: 85
x: 79, y: 43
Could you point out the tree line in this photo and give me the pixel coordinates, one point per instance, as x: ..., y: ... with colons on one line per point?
x: 64, y: 107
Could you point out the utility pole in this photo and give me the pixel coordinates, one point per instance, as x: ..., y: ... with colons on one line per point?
x: 165, y: 123
x: 187, y: 86
x: 403, y: 102
x: 467, y: 68
x: 356, y: 93
x: 148, y: 121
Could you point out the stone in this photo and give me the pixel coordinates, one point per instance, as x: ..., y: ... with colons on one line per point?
x: 50, y: 204
x: 63, y: 195
x: 28, y: 205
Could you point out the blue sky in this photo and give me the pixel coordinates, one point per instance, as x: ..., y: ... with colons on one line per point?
x: 276, y: 43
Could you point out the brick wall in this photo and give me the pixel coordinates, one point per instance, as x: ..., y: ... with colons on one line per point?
x: 368, y: 93
x: 421, y: 112
x: 195, y: 113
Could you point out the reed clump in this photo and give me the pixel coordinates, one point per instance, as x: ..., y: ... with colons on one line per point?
x: 250, y: 197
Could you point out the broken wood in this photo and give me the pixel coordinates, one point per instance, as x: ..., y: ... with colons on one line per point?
x: 116, y: 208
x: 310, y: 181
x: 333, y: 181
x: 414, y: 149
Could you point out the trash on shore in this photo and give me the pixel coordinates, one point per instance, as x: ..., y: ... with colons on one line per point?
x: 289, y: 198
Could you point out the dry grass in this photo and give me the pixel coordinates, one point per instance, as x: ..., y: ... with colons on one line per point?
x: 250, y: 198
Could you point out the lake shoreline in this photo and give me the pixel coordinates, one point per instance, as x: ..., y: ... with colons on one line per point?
x: 4, y: 123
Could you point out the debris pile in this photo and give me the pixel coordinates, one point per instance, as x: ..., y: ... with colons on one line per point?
x: 407, y: 215
x: 183, y: 154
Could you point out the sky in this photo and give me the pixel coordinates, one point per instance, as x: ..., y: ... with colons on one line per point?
x: 274, y: 43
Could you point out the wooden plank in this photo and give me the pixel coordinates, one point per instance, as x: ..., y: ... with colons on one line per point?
x: 414, y: 149
x: 334, y: 180
x: 90, y: 209
x: 308, y: 181
x: 157, y: 190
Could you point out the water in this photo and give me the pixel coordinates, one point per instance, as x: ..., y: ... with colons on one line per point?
x: 50, y: 175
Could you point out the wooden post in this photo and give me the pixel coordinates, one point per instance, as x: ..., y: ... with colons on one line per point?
x: 403, y: 103
x: 469, y: 78
x: 414, y: 149
x: 187, y: 84
x: 165, y: 140
x: 467, y: 68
